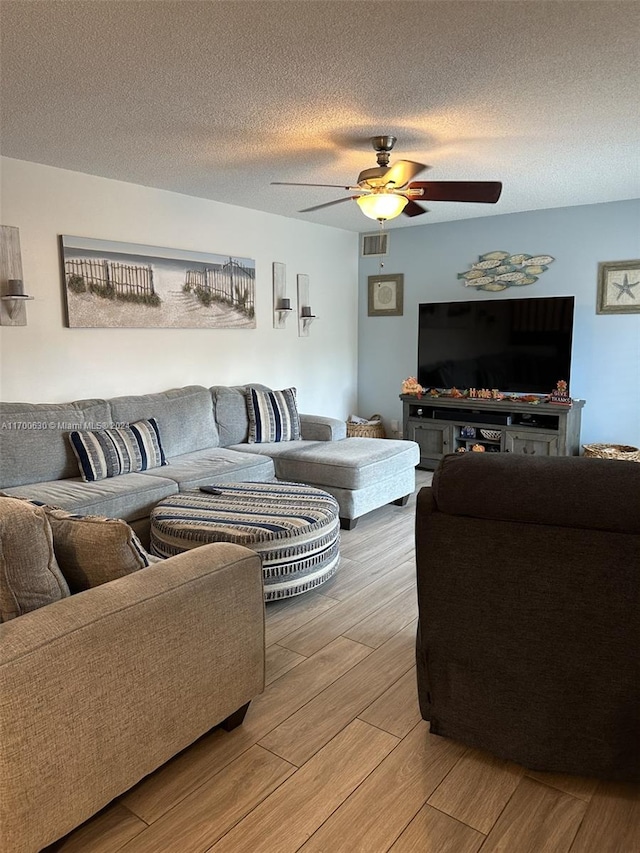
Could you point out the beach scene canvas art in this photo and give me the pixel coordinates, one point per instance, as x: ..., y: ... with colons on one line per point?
x: 126, y: 285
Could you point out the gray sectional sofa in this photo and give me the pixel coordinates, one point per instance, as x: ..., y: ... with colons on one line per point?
x: 204, y: 435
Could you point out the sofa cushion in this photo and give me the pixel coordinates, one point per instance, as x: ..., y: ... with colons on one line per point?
x: 273, y: 415
x: 123, y: 450
x: 29, y: 574
x: 130, y: 496
x: 216, y: 465
x: 92, y: 550
x: 184, y: 416
x: 34, y: 438
x: 231, y: 414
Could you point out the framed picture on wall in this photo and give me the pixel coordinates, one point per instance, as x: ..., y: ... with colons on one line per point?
x: 386, y: 294
x: 618, y: 287
x: 109, y: 284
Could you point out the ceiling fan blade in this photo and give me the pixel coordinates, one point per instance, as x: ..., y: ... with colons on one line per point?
x: 289, y: 184
x: 402, y: 171
x: 485, y: 192
x: 328, y: 204
x: 413, y: 209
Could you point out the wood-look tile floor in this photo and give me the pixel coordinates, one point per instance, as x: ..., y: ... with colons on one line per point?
x: 334, y: 758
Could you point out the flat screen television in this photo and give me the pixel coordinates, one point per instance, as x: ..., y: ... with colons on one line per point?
x: 514, y: 345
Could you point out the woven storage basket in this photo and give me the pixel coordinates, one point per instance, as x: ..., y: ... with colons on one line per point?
x: 366, y: 430
x: 612, y: 451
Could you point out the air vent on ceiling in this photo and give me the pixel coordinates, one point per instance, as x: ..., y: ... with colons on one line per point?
x: 375, y: 244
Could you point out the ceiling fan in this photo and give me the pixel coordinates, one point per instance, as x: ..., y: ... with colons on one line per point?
x: 385, y: 191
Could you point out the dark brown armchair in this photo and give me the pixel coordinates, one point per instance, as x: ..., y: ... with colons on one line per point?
x: 529, y: 601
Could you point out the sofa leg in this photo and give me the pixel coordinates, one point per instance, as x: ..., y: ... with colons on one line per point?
x: 401, y: 501
x: 348, y: 523
x: 235, y: 719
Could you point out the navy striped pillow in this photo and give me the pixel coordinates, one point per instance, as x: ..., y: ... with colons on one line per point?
x: 109, y: 452
x: 273, y: 415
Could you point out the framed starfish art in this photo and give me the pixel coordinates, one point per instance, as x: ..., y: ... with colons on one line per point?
x: 618, y: 287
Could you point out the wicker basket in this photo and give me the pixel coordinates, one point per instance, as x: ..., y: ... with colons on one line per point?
x: 367, y: 430
x: 612, y: 451
x: 491, y: 434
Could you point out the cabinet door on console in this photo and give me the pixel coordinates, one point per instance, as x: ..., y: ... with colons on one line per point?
x: 434, y: 440
x: 531, y: 443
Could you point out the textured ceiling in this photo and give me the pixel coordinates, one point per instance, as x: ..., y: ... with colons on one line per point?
x: 217, y: 99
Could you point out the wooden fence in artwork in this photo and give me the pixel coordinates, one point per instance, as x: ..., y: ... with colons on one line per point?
x: 125, y: 279
x: 232, y: 283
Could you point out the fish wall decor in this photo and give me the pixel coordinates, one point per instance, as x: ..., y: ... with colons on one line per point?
x: 498, y: 270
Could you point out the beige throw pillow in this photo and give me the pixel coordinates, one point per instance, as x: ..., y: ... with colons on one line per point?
x: 93, y: 550
x: 29, y: 574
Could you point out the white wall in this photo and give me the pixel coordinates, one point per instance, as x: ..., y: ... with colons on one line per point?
x: 605, y: 368
x: 45, y: 361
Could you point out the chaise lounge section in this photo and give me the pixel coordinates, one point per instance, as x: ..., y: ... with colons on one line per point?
x: 361, y: 473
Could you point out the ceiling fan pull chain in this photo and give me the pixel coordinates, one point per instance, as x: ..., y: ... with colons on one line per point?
x: 381, y: 221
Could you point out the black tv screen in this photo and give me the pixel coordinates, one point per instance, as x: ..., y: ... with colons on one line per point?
x: 514, y: 345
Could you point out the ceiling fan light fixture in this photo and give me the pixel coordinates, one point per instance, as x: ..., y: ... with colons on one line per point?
x: 382, y: 205
x: 385, y: 192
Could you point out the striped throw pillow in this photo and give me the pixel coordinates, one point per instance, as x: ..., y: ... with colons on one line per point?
x: 273, y: 415
x: 109, y: 452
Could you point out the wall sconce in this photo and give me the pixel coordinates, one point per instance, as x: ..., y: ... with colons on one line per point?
x: 281, y: 303
x: 307, y: 321
x: 306, y: 318
x: 283, y: 310
x: 13, y: 310
x: 306, y: 315
x: 13, y: 298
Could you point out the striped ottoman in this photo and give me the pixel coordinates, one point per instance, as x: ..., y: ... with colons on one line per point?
x: 294, y: 528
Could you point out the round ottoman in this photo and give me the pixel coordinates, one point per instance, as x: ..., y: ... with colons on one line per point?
x: 294, y: 528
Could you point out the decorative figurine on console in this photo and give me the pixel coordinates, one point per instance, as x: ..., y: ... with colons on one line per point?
x: 561, y: 394
x: 412, y: 386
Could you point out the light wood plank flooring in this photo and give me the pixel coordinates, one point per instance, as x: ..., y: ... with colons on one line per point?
x: 334, y: 758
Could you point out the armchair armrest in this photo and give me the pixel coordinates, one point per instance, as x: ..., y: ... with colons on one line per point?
x: 101, y: 688
x: 319, y: 428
